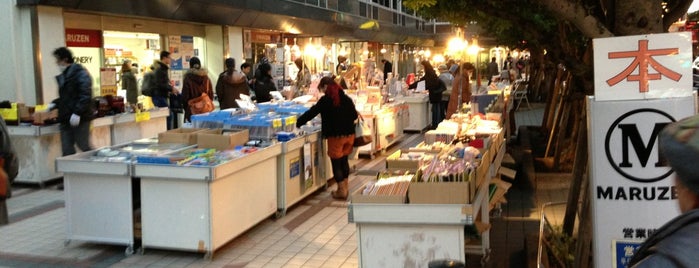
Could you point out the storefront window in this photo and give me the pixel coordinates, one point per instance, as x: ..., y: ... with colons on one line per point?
x: 140, y: 48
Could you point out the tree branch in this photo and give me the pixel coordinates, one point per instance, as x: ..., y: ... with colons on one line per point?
x: 676, y: 13
x: 575, y: 13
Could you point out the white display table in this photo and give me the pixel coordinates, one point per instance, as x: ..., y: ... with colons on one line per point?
x: 294, y: 181
x: 98, y: 199
x: 402, y: 235
x: 420, y: 112
x: 99, y: 195
x: 202, y: 208
x: 126, y: 128
x: 386, y: 125
x: 412, y: 235
x: 38, y: 147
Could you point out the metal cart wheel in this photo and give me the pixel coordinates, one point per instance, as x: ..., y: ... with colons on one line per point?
x: 280, y: 213
x: 209, y: 255
x: 486, y: 257
x: 141, y: 251
x: 129, y: 251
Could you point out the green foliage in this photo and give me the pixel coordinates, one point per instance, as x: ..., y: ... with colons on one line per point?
x: 562, y: 247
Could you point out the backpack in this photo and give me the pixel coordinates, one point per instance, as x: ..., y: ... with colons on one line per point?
x: 148, y: 84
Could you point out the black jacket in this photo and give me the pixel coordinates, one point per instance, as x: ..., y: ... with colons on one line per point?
x: 337, y: 121
x: 434, y: 86
x: 162, y: 80
x: 263, y: 85
x: 74, y: 93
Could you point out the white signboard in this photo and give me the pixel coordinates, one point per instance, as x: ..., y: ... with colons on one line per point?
x: 632, y: 192
x: 643, y: 66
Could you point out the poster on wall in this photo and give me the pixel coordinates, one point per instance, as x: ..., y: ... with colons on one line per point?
x: 108, y: 81
x: 186, y: 50
x: 174, y: 46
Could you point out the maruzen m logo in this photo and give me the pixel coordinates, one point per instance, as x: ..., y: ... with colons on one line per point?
x: 631, y: 149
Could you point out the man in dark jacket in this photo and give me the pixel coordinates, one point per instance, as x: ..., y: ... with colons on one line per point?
x: 163, y: 87
x: 387, y: 68
x: 676, y: 243
x: 74, y: 102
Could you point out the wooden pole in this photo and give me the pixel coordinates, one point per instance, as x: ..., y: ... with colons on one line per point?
x: 579, y: 169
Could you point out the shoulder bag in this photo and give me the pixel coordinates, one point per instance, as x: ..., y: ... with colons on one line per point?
x: 201, y: 104
x: 362, y: 132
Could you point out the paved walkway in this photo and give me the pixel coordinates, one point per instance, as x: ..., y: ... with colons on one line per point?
x: 314, y: 233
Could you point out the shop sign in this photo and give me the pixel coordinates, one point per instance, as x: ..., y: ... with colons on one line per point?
x: 623, y: 252
x: 83, y: 38
x: 631, y: 188
x: 263, y: 38
x: 643, y: 66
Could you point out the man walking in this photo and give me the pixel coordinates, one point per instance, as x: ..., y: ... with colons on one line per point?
x: 74, y: 102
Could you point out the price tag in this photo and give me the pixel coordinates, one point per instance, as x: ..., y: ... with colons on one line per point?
x: 142, y: 116
x: 277, y: 123
x: 9, y: 113
x: 291, y: 120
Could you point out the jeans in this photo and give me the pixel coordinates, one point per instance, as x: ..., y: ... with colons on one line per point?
x: 341, y: 168
x: 160, y: 101
x: 70, y: 136
x: 437, y: 115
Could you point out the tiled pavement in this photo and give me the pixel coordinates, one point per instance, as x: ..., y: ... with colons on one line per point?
x: 314, y: 233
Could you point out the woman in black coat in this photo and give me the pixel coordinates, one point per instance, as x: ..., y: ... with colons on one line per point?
x: 435, y: 87
x: 338, y: 114
x: 264, y: 83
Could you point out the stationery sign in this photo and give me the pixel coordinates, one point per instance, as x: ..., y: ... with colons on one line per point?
x: 643, y: 66
x: 631, y: 189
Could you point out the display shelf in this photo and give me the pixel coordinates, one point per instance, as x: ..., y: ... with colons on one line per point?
x: 292, y: 183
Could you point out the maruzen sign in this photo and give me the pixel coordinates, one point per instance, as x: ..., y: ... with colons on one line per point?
x: 642, y: 83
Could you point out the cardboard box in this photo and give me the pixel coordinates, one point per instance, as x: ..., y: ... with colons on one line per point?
x: 223, y: 140
x: 439, y: 193
x: 358, y: 197
x: 41, y: 117
x: 183, y: 135
x: 483, y: 169
x: 394, y: 161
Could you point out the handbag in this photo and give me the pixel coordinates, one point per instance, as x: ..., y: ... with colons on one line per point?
x: 362, y: 133
x: 201, y: 104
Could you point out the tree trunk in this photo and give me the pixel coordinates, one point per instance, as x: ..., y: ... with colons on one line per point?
x: 638, y: 17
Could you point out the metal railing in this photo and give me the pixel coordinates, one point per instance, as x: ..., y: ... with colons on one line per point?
x: 544, y: 225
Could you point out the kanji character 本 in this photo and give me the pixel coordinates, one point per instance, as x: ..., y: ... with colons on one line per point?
x: 628, y: 232
x: 643, y: 57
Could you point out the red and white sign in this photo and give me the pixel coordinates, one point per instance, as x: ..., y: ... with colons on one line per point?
x: 643, y: 66
x: 83, y: 38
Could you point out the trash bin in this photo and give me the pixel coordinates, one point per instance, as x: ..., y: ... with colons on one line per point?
x: 446, y: 264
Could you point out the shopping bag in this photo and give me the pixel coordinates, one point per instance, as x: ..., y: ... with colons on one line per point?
x: 362, y: 133
x: 201, y: 104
